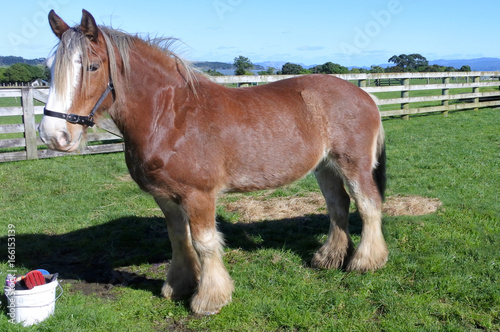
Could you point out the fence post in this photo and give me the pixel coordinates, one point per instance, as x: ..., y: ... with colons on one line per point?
x: 362, y: 83
x: 476, y: 79
x: 405, y: 94
x: 445, y: 92
x: 29, y: 123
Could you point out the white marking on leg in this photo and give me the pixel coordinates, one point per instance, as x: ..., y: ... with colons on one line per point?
x: 216, y: 286
x: 371, y: 253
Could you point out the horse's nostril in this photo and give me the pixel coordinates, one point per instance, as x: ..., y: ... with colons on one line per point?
x: 63, y: 139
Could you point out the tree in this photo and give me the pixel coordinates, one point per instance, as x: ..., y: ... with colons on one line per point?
x: 330, y: 68
x: 2, y: 75
x: 292, y: 69
x: 333, y: 68
x: 409, y: 62
x: 18, y: 72
x: 465, y: 68
x: 21, y: 72
x: 376, y: 69
x: 395, y: 69
x: 46, y: 73
x: 243, y: 66
x: 268, y: 71
x: 36, y: 72
x: 434, y: 68
x: 213, y: 72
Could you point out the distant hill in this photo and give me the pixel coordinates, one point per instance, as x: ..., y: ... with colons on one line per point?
x: 214, y: 65
x: 274, y: 64
x: 10, y: 60
x: 480, y: 64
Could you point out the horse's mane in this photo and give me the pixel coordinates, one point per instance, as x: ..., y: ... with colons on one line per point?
x: 74, y: 40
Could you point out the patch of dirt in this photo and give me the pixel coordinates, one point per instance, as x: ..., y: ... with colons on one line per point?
x: 410, y: 205
x: 252, y: 209
x: 103, y: 291
x: 260, y: 208
x: 121, y: 277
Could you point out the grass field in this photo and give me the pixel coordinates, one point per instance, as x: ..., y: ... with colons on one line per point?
x: 83, y: 218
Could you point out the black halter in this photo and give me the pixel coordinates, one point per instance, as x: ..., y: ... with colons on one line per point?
x: 80, y: 119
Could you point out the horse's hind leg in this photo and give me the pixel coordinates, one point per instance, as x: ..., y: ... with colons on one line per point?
x: 371, y: 252
x: 215, y: 286
x: 184, y: 271
x: 338, y: 246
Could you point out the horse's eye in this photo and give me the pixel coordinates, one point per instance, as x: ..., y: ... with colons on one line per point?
x: 93, y: 67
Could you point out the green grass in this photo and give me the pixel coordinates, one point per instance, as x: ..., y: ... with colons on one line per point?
x: 81, y: 217
x: 10, y: 101
x: 16, y: 119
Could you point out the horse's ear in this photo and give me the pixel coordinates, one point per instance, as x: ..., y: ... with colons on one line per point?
x: 88, y: 26
x: 57, y: 24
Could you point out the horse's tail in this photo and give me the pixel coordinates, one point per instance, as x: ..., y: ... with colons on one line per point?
x: 379, y: 172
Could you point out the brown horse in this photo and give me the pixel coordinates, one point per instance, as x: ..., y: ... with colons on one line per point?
x: 188, y: 139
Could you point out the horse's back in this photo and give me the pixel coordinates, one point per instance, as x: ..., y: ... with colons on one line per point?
x: 324, y: 95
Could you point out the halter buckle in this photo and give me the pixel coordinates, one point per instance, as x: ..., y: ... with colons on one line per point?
x: 73, y: 118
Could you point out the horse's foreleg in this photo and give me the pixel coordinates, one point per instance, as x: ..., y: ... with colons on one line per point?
x: 215, y: 286
x: 338, y: 246
x: 184, y: 271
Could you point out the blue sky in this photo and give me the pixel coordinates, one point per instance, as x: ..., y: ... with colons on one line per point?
x: 348, y: 32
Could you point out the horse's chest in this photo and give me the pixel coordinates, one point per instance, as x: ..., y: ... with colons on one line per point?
x: 169, y: 170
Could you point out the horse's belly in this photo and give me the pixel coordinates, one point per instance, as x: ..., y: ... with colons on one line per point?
x: 272, y: 171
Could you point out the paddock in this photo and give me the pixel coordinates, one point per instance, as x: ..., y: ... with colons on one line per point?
x: 82, y: 217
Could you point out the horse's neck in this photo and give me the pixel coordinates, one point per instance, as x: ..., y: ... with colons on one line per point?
x: 156, y: 84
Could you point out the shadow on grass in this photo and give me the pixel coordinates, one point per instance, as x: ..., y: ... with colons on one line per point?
x: 98, y: 257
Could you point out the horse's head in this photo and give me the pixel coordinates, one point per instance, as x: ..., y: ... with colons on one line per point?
x: 80, y: 82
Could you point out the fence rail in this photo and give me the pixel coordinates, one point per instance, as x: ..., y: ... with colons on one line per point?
x: 400, y: 94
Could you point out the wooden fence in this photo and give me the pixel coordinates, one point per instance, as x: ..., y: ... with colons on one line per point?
x: 400, y: 94
x: 417, y: 91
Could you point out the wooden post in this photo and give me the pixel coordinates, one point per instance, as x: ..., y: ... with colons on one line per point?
x: 477, y: 79
x: 405, y: 94
x: 29, y: 123
x: 445, y: 92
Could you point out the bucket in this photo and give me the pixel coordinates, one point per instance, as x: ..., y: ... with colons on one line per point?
x: 34, y: 305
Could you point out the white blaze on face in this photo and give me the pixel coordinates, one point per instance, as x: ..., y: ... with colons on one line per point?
x: 54, y: 131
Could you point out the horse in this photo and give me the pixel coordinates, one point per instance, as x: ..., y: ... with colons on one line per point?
x: 188, y: 139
